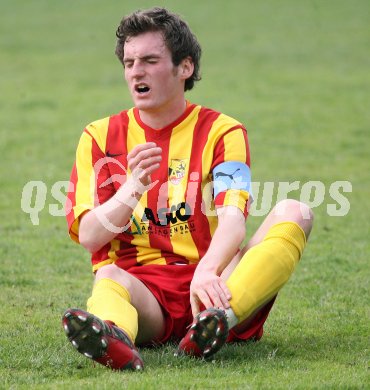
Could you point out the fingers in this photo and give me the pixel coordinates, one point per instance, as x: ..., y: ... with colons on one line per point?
x: 143, y: 151
x: 200, y: 296
x: 146, y: 168
x: 212, y: 294
x: 194, y: 303
x: 217, y: 296
x: 143, y: 160
x: 144, y: 155
x: 223, y: 296
x: 141, y: 147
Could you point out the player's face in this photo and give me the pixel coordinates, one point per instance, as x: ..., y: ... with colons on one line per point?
x: 153, y: 80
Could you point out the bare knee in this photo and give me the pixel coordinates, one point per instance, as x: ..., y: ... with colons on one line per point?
x: 295, y: 211
x: 111, y: 271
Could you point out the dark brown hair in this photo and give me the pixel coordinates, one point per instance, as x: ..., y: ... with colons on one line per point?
x: 181, y: 42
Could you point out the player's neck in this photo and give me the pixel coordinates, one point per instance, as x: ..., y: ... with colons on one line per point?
x: 161, y: 117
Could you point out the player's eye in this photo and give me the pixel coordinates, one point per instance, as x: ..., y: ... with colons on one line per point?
x: 128, y: 64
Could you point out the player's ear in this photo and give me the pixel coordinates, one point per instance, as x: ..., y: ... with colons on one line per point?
x: 186, y: 68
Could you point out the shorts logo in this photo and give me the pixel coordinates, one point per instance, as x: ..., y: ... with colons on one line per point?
x: 176, y: 171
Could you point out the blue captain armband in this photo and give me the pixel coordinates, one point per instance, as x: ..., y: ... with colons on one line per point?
x: 232, y: 184
x: 231, y: 175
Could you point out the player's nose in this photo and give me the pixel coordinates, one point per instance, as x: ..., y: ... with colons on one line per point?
x: 138, y: 69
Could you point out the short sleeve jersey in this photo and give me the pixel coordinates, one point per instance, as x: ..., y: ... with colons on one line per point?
x: 175, y: 220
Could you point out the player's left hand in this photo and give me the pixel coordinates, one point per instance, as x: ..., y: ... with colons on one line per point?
x: 208, y: 289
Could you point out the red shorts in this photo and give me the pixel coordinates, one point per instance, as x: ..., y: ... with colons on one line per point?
x: 170, y: 284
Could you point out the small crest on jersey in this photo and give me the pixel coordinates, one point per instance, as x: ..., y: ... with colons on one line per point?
x: 176, y: 170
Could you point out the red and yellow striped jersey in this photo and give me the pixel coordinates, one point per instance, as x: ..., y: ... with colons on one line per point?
x: 175, y: 220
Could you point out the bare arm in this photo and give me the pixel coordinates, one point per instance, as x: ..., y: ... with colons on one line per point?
x: 207, y: 287
x: 100, y: 225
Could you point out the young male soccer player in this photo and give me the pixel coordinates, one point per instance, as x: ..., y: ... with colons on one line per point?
x: 159, y: 197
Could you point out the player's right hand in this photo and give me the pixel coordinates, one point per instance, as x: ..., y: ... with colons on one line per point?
x: 142, y: 161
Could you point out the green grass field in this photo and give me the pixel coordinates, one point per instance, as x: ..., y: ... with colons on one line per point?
x: 296, y: 72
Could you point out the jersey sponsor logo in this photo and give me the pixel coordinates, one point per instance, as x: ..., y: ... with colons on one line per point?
x: 134, y: 227
x: 176, y: 170
x: 169, y: 231
x: 171, y: 215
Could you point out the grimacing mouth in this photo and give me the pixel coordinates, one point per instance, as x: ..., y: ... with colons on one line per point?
x: 142, y: 88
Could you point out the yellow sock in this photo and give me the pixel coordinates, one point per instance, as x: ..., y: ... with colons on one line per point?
x: 265, y: 268
x: 111, y: 301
